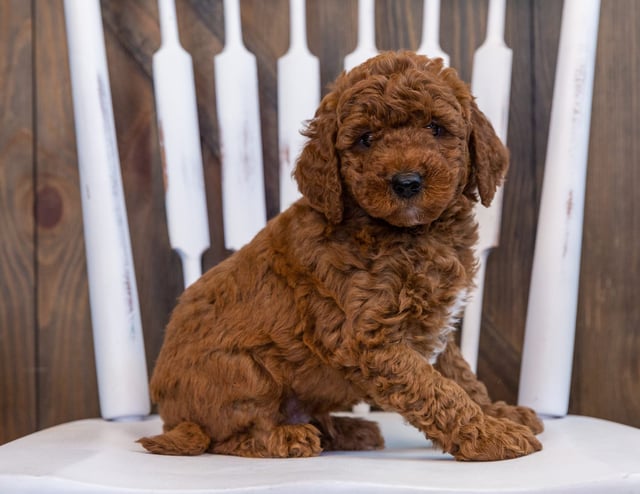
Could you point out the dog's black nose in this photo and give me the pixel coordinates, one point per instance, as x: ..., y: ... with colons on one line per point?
x: 406, y: 185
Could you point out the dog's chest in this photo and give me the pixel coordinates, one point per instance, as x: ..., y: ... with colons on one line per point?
x: 382, y: 286
x: 434, y: 284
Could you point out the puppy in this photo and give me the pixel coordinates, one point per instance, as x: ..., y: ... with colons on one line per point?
x: 352, y: 293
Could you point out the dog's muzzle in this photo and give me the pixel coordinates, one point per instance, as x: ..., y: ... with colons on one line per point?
x: 406, y: 185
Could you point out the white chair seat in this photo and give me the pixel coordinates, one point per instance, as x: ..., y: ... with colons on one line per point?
x: 580, y: 454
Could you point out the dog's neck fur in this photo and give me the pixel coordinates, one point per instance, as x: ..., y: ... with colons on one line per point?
x: 458, y: 218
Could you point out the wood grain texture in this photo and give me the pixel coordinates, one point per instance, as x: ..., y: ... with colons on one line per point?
x: 51, y: 332
x: 462, y: 30
x: 18, y: 387
x: 67, y: 383
x: 509, y: 264
x: 398, y: 24
x: 606, y: 377
x: 332, y: 34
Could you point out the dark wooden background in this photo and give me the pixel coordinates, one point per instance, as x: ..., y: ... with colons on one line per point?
x: 46, y: 357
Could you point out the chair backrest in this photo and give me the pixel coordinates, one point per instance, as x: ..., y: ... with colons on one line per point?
x: 120, y: 356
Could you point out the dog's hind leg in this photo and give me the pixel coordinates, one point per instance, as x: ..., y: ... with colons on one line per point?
x: 281, y: 441
x: 348, y: 433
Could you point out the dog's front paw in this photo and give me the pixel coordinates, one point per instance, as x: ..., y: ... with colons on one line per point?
x: 494, y: 439
x: 520, y: 415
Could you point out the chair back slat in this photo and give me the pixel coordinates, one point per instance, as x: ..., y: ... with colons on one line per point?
x: 430, y: 44
x: 115, y: 312
x: 238, y: 105
x: 298, y: 98
x: 545, y: 378
x: 179, y: 133
x: 366, y: 47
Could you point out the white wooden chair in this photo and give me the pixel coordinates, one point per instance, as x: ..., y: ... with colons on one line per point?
x: 580, y: 454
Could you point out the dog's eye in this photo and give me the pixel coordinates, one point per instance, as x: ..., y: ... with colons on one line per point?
x: 366, y: 139
x: 436, y: 130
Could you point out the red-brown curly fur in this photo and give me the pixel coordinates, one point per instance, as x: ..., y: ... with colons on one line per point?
x: 352, y: 292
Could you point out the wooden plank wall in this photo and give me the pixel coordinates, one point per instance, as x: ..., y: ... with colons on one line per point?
x: 46, y: 355
x: 18, y: 339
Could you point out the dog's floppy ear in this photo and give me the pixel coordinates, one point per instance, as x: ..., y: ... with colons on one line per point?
x: 489, y: 158
x: 317, y: 170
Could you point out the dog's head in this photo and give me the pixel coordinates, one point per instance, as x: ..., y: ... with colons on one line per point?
x: 404, y: 138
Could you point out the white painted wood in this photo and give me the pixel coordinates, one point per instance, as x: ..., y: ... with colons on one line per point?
x: 179, y: 133
x: 581, y: 456
x: 236, y: 78
x: 545, y: 378
x: 430, y: 44
x: 491, y: 85
x: 115, y: 313
x: 366, y: 46
x: 298, y: 98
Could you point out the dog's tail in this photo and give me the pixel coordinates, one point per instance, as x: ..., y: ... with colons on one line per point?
x: 186, y: 439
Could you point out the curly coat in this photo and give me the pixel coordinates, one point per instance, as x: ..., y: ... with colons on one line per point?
x: 350, y: 294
